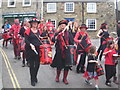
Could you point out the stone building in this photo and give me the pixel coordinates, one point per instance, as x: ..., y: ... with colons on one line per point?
x: 118, y: 11
x: 90, y: 12
x: 20, y: 9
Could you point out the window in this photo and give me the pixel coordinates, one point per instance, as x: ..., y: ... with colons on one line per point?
x: 26, y: 2
x: 11, y: 3
x: 69, y: 7
x: 54, y: 22
x: 91, y: 23
x: 0, y: 3
x: 51, y: 7
x: 91, y: 7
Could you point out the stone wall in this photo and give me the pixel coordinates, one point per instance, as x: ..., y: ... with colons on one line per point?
x: 105, y: 13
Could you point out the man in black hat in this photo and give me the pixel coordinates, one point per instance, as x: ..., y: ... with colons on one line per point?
x: 82, y: 39
x: 62, y: 38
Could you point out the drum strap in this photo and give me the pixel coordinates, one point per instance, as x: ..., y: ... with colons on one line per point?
x: 38, y: 38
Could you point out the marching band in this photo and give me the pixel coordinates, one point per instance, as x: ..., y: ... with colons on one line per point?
x: 35, y: 40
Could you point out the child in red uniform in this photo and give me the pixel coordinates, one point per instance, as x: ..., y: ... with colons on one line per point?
x: 110, y: 65
x: 90, y: 71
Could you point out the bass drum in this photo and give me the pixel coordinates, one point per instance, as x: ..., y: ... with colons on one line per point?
x: 45, y: 54
x: 70, y: 55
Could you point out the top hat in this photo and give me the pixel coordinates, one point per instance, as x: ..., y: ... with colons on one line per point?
x: 34, y: 20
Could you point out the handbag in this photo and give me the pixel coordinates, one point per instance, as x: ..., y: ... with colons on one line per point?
x: 99, y: 69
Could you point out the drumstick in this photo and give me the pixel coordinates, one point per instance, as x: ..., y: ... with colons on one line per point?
x: 35, y: 51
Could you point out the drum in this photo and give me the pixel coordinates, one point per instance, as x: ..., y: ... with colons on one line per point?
x: 85, y: 45
x: 70, y: 55
x: 45, y: 54
x: 45, y: 41
x: 6, y: 36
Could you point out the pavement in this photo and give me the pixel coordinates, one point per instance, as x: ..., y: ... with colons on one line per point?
x: 22, y: 74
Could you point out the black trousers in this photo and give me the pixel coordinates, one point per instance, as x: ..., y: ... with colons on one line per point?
x: 34, y: 61
x: 82, y: 61
x: 101, y: 48
x: 34, y: 66
x: 110, y: 71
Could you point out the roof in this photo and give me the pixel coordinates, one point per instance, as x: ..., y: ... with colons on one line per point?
x: 78, y: 0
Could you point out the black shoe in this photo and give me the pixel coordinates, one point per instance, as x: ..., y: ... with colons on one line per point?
x: 33, y: 83
x: 78, y: 71
x: 108, y: 84
x: 18, y: 57
x: 23, y: 65
x: 82, y: 71
x: 36, y: 80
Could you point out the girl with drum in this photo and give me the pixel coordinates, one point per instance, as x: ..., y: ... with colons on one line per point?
x: 83, y: 44
x: 62, y: 39
x: 32, y: 41
x: 110, y: 63
x: 103, y: 35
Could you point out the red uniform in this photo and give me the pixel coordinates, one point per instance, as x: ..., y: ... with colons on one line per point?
x: 15, y: 31
x: 109, y: 57
x: 49, y: 24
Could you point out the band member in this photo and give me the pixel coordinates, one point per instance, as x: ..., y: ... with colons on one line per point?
x: 103, y: 35
x: 49, y: 24
x: 81, y: 38
x: 118, y: 34
x: 62, y: 39
x: 41, y: 25
x: 26, y: 25
x: 14, y: 31
x: 32, y: 36
x: 6, y: 36
x: 110, y: 63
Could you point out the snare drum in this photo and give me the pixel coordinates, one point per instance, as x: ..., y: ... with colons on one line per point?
x: 45, y: 41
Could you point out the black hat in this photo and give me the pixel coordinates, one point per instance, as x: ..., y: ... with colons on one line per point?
x: 103, y: 26
x: 83, y: 26
x: 63, y: 22
x: 34, y: 20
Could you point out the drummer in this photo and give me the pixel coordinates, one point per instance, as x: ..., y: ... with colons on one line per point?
x: 32, y: 49
x: 62, y: 39
x: 81, y: 37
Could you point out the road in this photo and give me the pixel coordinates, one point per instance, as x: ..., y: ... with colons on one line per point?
x: 16, y: 76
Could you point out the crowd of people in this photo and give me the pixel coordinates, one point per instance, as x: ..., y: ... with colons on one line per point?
x: 70, y: 40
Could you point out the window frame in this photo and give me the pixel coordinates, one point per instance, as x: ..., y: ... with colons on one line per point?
x: 54, y: 20
x: 0, y: 3
x: 11, y: 5
x: 24, y: 5
x: 48, y: 11
x: 69, y: 3
x: 91, y: 11
x: 95, y: 24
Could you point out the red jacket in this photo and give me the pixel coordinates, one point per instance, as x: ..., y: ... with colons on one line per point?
x: 15, y: 29
x: 109, y: 56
